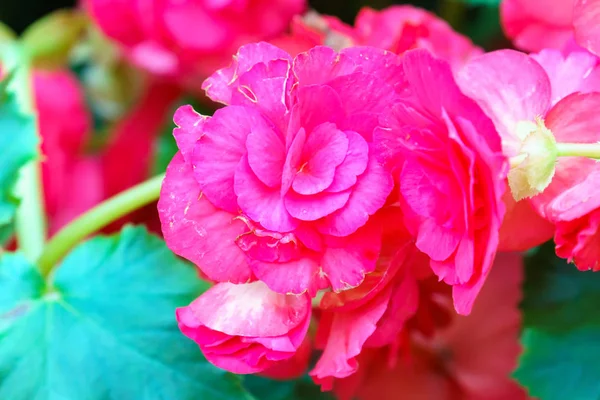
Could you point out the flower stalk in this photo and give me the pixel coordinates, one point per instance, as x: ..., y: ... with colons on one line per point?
x: 96, y: 219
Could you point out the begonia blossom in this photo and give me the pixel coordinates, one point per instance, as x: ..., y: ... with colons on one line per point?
x: 451, y: 170
x: 280, y: 184
x: 246, y: 328
x: 514, y: 89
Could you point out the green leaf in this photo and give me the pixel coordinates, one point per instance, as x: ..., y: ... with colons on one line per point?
x: 18, y: 146
x: 562, y: 330
x: 481, y: 2
x: 299, y: 389
x: 104, y: 327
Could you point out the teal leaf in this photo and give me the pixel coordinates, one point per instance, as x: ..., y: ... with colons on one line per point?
x: 561, y: 337
x: 104, y: 327
x: 18, y: 145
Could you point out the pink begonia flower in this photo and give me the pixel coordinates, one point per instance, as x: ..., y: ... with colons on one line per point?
x: 471, y: 358
x: 188, y: 40
x: 396, y: 28
x: 451, y: 174
x: 280, y: 184
x: 246, y: 328
x: 293, y: 367
x: 513, y: 87
x: 534, y: 25
x: 586, y: 22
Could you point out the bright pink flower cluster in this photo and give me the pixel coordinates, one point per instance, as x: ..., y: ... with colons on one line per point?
x: 349, y: 176
x: 188, y: 40
x: 396, y: 29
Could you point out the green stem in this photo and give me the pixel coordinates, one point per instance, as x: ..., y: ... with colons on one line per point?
x: 96, y: 219
x: 30, y: 218
x: 589, y: 150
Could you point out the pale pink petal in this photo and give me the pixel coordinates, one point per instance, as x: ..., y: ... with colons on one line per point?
x: 324, y: 150
x: 261, y: 203
x: 218, y: 153
x: 368, y: 195
x: 586, y: 21
x: 575, y: 72
x: 355, y: 163
x: 510, y: 87
x: 266, y: 154
x: 194, y: 229
x: 316, y: 206
x: 219, y: 87
x: 251, y: 310
x: 190, y: 128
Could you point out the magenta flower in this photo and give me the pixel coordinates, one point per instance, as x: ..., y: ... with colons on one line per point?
x: 188, y: 40
x: 586, y: 22
x: 246, y: 328
x: 450, y: 167
x: 512, y: 88
x: 279, y: 185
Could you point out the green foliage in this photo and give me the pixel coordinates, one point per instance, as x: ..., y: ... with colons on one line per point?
x: 300, y: 389
x: 18, y: 146
x: 104, y: 326
x: 562, y: 330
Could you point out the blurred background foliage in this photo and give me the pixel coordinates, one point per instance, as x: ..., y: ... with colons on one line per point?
x: 475, y: 18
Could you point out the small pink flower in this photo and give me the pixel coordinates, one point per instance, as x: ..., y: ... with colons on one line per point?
x: 246, y: 328
x: 396, y: 28
x: 447, y: 157
x: 280, y: 184
x: 513, y: 87
x: 534, y: 25
x: 188, y: 40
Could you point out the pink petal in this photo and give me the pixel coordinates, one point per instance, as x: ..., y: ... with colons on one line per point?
x: 320, y: 65
x: 218, y: 153
x: 586, y: 23
x: 385, y: 65
x: 261, y: 203
x: 324, y: 150
x: 355, y: 163
x: 537, y: 25
x: 347, y: 260
x: 368, y: 195
x: 219, y: 87
x: 436, y: 241
x: 316, y: 105
x: 522, y: 227
x: 361, y: 92
x: 194, y: 229
x: 190, y: 128
x: 578, y: 241
x: 510, y: 87
x: 576, y: 119
x: 316, y: 206
x: 266, y: 87
x: 250, y: 310
x: 292, y: 160
x: 575, y: 72
x: 297, y: 276
x: 266, y: 155
x: 348, y: 332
